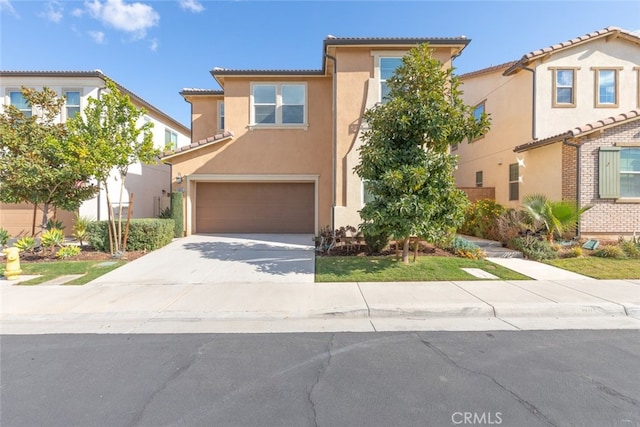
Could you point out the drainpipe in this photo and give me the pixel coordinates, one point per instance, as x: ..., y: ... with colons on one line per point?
x: 533, y: 102
x: 578, y: 180
x: 335, y: 138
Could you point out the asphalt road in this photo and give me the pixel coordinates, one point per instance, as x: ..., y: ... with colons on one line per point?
x: 551, y: 378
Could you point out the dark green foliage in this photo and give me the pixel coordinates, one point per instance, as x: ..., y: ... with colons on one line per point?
x: 4, y: 237
x: 376, y: 242
x: 177, y: 213
x: 54, y: 223
x: 630, y: 248
x: 481, y: 219
x: 610, y: 251
x: 146, y: 234
x: 534, y: 248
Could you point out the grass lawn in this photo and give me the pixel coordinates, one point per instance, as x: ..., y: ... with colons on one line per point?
x: 53, y: 269
x: 387, y: 269
x: 600, y: 268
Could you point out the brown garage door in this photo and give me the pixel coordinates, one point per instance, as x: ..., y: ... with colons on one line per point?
x: 239, y: 207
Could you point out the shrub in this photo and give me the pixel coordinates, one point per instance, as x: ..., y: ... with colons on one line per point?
x: 165, y: 213
x: 573, y: 252
x: 145, y: 234
x: 466, y: 249
x: 177, y: 214
x: 52, y: 238
x: 54, y: 223
x: 68, y: 252
x: 376, y: 242
x: 4, y: 237
x: 481, y: 219
x: 26, y: 244
x: 630, y: 248
x: 80, y: 228
x: 510, y: 224
x: 534, y: 248
x: 610, y: 251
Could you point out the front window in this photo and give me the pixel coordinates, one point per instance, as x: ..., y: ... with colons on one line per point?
x: 388, y: 68
x: 72, y: 103
x: 479, y: 179
x: 564, y: 88
x: 20, y: 102
x: 478, y: 111
x: 367, y: 196
x: 279, y: 104
x: 630, y: 172
x: 170, y: 140
x: 221, y: 115
x: 514, y: 182
x: 606, y: 88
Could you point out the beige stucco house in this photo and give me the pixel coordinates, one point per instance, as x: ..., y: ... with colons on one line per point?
x: 274, y: 150
x: 565, y: 124
x: 150, y: 184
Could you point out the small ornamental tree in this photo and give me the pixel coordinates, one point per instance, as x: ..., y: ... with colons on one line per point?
x: 405, y: 154
x: 110, y: 140
x: 38, y: 163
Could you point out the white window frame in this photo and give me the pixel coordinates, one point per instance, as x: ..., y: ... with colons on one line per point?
x: 362, y: 184
x: 66, y: 106
x: 377, y: 57
x: 278, y: 122
x: 171, y: 133
x: 12, y: 90
x: 221, y: 117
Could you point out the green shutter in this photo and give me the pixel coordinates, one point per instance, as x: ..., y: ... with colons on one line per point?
x: 609, y: 172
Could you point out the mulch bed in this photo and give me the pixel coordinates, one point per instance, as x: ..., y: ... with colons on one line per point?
x: 87, y: 254
x: 425, y: 249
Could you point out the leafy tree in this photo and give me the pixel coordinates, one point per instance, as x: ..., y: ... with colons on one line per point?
x: 109, y: 139
x: 557, y: 217
x: 405, y: 154
x: 37, y: 159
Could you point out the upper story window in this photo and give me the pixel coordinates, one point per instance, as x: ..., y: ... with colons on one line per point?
x: 478, y: 111
x: 514, y: 182
x: 170, y: 139
x: 20, y: 102
x: 564, y: 87
x: 72, y: 103
x: 279, y: 104
x: 221, y: 115
x: 479, y: 179
x: 606, y: 87
x: 367, y: 195
x: 388, y: 66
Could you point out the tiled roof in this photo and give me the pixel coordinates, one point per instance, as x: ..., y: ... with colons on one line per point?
x: 605, y: 32
x: 198, y: 144
x: 331, y: 40
x: 244, y: 72
x: 487, y: 70
x: 582, y: 130
x: 195, y: 91
x: 98, y: 74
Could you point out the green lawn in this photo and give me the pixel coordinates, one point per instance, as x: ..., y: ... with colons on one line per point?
x: 51, y: 269
x: 387, y: 269
x: 600, y: 268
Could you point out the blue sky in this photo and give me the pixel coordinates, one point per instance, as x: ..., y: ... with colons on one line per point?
x: 157, y: 48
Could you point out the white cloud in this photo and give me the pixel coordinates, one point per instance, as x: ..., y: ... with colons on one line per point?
x: 97, y: 36
x: 192, y: 5
x: 133, y: 18
x: 5, y: 5
x: 53, y: 11
x: 77, y: 12
x: 154, y: 45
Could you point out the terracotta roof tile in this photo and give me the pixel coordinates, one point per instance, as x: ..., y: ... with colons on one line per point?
x: 487, y: 70
x: 198, y: 144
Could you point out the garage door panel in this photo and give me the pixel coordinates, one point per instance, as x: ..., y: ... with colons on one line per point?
x: 255, y: 207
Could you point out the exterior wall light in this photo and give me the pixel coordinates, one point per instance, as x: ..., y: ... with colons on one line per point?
x: 179, y: 178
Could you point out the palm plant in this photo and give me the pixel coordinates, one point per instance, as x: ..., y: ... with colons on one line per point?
x: 557, y: 217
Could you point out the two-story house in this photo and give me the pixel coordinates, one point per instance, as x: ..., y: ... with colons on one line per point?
x: 274, y: 150
x: 565, y: 123
x: 150, y: 184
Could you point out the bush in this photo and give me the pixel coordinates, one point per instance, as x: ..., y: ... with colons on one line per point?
x: 375, y: 242
x: 510, y: 224
x: 630, y: 248
x: 573, y: 252
x: 26, y: 244
x: 145, y: 234
x: 80, y: 228
x: 54, y: 223
x: 466, y: 249
x: 4, y: 237
x: 481, y: 219
x: 534, y: 248
x: 177, y: 214
x: 610, y: 251
x: 68, y: 252
x: 52, y: 238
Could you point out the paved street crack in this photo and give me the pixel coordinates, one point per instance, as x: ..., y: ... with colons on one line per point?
x: 612, y: 392
x: 319, y: 374
x: 531, y: 408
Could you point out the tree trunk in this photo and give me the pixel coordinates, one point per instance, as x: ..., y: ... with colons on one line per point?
x: 111, y: 223
x: 405, y: 251
x: 33, y: 223
x: 45, y: 214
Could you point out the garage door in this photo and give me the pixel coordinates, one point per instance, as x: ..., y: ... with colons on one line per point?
x: 234, y: 207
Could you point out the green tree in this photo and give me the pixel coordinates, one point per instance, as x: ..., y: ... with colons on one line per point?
x: 37, y: 159
x: 110, y: 140
x: 405, y: 154
x: 557, y: 217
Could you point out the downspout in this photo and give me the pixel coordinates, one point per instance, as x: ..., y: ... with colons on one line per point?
x: 533, y: 102
x: 335, y: 139
x: 578, y: 180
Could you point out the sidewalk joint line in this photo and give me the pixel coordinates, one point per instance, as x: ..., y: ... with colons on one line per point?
x: 477, y: 297
x: 365, y: 301
x: 591, y: 295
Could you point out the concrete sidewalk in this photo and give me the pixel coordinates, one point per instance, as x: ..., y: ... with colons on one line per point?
x: 280, y: 307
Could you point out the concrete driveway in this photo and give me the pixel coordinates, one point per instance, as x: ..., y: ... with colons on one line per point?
x: 223, y: 258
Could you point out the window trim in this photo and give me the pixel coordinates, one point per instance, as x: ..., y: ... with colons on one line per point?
x: 18, y: 90
x: 64, y: 94
x: 554, y: 93
x: 637, y: 69
x: 596, y: 94
x: 481, y: 181
x: 171, y: 132
x: 621, y: 172
x: 377, y: 55
x: 278, y: 124
x: 221, y: 116
x: 484, y: 110
x: 362, y: 184
x: 516, y: 181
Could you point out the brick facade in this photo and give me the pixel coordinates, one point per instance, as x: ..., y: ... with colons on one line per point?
x: 607, y: 217
x: 569, y: 172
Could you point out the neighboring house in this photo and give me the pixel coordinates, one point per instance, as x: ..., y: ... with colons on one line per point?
x: 564, y: 124
x: 274, y: 150
x: 150, y: 184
